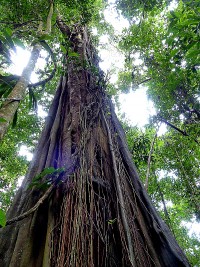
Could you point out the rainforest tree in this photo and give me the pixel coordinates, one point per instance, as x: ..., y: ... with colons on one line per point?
x: 81, y: 202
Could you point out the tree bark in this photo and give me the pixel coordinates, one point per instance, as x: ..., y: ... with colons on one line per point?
x: 98, y: 213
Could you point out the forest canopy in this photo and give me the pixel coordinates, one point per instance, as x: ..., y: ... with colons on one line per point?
x: 165, y: 35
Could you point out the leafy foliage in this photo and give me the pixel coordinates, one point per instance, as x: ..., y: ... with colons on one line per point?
x: 50, y: 173
x: 168, y: 48
x: 173, y: 181
x: 2, y: 218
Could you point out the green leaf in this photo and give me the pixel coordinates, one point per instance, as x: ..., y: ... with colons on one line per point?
x: 39, y: 185
x: 8, y: 31
x: 46, y: 171
x: 64, y: 50
x: 73, y: 54
x: 3, y: 120
x: 3, y: 88
x: 190, y: 21
x: 54, y: 17
x: 4, y: 49
x: 3, y: 39
x: 19, y: 43
x: 46, y: 46
x: 193, y: 52
x: 45, y: 37
x: 174, y: 52
x: 2, y: 218
x: 44, y: 186
x: 9, y: 39
x: 112, y: 221
x: 7, y: 92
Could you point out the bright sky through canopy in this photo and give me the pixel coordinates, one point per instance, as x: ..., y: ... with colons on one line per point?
x: 135, y: 105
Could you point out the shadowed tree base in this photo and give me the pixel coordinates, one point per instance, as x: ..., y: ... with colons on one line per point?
x: 97, y: 213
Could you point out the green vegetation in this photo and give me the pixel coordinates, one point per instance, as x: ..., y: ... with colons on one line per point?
x: 168, y: 45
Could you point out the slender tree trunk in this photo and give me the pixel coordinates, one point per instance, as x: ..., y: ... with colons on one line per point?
x: 149, y: 161
x: 97, y: 213
x: 11, y: 104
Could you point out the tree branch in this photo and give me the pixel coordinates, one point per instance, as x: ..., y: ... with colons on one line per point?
x: 44, y: 81
x: 52, y: 73
x: 33, y: 209
x: 49, y: 18
x: 177, y: 129
x: 146, y: 80
x: 62, y: 26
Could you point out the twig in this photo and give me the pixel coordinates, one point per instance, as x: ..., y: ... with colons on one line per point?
x: 177, y: 129
x: 146, y: 80
x: 10, y: 99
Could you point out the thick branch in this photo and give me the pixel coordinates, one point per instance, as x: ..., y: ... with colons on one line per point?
x: 62, y: 26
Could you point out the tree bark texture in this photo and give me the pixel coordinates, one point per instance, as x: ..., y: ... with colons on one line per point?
x: 10, y: 106
x: 98, y: 213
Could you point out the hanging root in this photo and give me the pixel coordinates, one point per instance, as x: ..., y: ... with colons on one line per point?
x: 121, y: 198
x: 96, y: 225
x: 82, y: 233
x: 33, y: 209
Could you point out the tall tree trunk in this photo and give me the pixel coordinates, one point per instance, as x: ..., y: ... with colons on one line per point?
x: 97, y: 213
